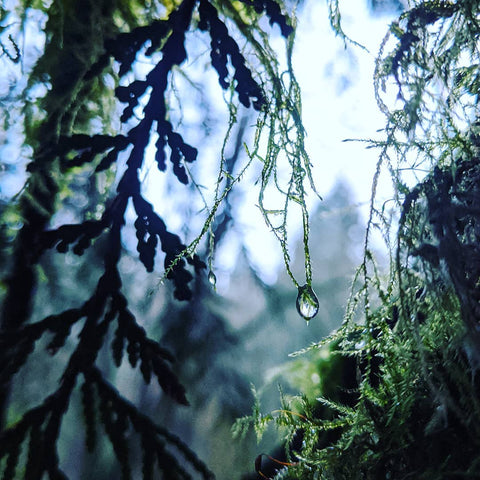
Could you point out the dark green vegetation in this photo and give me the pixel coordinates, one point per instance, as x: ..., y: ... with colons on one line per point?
x: 396, y: 390
x: 410, y: 406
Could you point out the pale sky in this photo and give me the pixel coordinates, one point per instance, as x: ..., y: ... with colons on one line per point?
x: 338, y: 103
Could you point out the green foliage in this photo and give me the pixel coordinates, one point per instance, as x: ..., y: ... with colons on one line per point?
x: 397, y: 398
x: 413, y: 410
x: 89, y: 45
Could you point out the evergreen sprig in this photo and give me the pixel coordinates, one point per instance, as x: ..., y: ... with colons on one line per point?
x: 61, y: 147
x: 154, y: 435
x: 106, y: 304
x: 224, y: 46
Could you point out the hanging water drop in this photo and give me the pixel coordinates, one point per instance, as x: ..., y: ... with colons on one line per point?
x: 212, y: 279
x: 307, y: 302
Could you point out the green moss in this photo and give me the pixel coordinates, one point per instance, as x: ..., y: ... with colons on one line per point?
x: 405, y: 399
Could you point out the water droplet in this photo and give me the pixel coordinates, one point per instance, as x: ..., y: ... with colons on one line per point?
x: 360, y: 345
x: 307, y: 302
x: 212, y: 279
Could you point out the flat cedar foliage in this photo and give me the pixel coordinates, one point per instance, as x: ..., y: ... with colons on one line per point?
x: 84, y: 41
x: 399, y: 390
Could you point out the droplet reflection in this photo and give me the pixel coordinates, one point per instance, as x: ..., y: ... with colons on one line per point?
x: 307, y: 302
x: 212, y: 279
